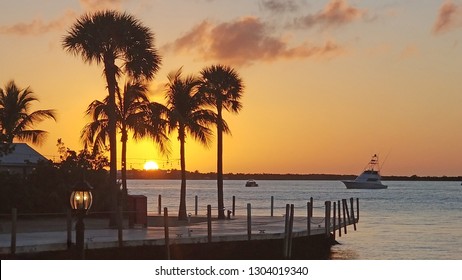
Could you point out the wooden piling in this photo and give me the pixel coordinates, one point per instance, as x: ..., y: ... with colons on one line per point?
x: 285, y: 245
x: 291, y: 229
x: 234, y: 205
x: 69, y: 227
x: 334, y: 219
x: 159, y: 204
x: 166, y: 234
x: 339, y: 219
x: 249, y: 221
x: 196, y: 203
x: 353, y: 213
x: 272, y: 205
x: 209, y: 223
x: 327, y: 218
x: 308, y: 218
x: 14, y: 219
x: 347, y: 211
x: 311, y: 203
x: 357, y: 209
x: 344, y: 216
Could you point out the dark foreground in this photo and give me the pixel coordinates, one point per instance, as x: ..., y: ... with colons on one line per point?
x: 313, y: 247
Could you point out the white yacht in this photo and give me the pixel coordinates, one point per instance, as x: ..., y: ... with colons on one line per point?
x: 369, y: 179
x: 251, y: 183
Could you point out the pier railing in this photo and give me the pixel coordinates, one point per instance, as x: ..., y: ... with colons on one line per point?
x: 337, y: 216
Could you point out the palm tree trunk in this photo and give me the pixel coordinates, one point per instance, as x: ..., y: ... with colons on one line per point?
x: 110, y: 71
x: 221, y: 205
x: 124, y: 167
x: 182, y: 209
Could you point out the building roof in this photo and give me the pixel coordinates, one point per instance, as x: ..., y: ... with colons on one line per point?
x: 22, y: 154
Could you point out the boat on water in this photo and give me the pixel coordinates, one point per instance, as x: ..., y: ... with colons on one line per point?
x: 251, y: 183
x: 369, y: 179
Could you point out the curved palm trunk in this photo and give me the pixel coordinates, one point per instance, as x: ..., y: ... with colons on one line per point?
x: 110, y: 71
x: 182, y: 209
x: 221, y: 205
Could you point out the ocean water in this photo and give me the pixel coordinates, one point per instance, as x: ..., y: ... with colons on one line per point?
x: 407, y: 221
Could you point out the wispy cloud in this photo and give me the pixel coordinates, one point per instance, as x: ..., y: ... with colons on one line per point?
x: 278, y: 6
x: 335, y: 13
x: 244, y: 41
x: 449, y: 17
x: 38, y: 26
x: 93, y: 5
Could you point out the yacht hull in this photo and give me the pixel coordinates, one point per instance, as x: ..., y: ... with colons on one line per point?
x: 363, y: 185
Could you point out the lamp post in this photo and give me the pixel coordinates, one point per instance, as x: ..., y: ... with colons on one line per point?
x: 81, y: 200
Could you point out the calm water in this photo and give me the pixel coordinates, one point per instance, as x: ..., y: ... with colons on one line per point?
x: 407, y: 221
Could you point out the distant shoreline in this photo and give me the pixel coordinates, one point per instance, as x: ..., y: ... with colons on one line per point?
x: 176, y: 175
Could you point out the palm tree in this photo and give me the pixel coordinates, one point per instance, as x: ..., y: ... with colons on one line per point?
x: 223, y: 88
x: 107, y: 37
x: 188, y: 116
x: 16, y: 120
x: 133, y: 111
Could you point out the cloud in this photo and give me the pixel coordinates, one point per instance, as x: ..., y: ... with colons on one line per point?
x: 449, y: 17
x: 39, y: 26
x: 243, y: 42
x: 335, y: 13
x: 278, y: 7
x: 94, y: 5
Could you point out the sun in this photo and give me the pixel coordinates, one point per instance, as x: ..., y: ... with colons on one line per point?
x: 151, y: 165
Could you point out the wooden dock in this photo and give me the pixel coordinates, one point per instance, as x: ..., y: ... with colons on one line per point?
x: 185, y: 240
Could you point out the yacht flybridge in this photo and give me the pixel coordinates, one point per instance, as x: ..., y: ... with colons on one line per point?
x: 369, y: 179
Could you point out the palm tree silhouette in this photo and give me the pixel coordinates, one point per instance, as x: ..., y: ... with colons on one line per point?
x: 107, y: 37
x: 134, y: 113
x: 188, y: 116
x: 223, y: 88
x: 16, y: 120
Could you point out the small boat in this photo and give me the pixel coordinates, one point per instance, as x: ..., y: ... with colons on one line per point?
x: 251, y: 183
x: 369, y: 179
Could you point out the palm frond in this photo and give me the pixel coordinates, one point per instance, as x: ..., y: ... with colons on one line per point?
x: 16, y: 120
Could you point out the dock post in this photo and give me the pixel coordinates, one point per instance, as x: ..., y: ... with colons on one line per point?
x: 159, y: 203
x: 339, y: 219
x: 69, y: 227
x: 334, y: 219
x: 347, y: 212
x: 119, y: 226
x: 249, y: 221
x: 344, y: 216
x: 308, y: 218
x: 14, y: 219
x: 357, y: 209
x: 196, y: 202
x: 234, y: 205
x: 285, y: 244
x: 353, y: 213
x: 272, y: 205
x: 327, y: 218
x: 291, y: 228
x: 167, y: 239
x: 209, y: 223
x: 311, y: 203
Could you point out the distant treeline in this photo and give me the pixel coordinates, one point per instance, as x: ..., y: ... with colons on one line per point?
x: 176, y: 174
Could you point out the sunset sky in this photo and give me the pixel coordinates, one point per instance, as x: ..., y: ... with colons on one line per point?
x: 327, y: 83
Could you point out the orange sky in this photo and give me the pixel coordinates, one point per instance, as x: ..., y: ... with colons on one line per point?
x: 327, y: 83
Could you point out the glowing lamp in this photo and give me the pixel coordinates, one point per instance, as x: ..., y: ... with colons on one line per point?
x: 81, y: 197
